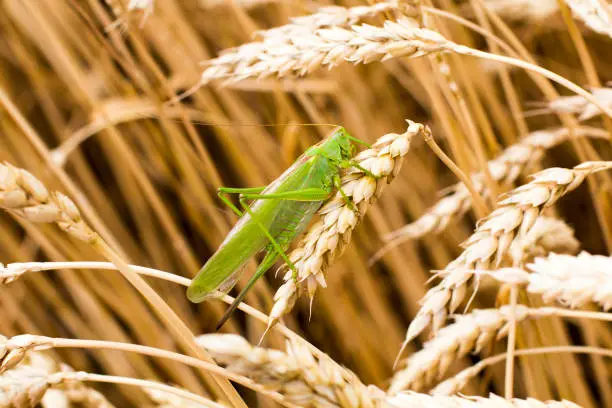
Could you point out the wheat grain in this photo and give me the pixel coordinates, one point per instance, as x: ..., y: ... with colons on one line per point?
x: 327, y: 238
x: 515, y: 215
x: 414, y: 400
x: 547, y: 235
x: 296, y: 374
x: 505, y: 169
x: 595, y: 14
x: 23, y: 194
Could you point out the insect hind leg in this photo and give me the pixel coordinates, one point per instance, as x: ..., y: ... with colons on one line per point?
x: 277, y: 247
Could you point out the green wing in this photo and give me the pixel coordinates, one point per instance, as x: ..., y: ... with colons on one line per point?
x: 284, y: 219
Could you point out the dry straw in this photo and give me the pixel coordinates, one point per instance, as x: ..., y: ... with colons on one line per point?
x: 514, y: 216
x: 327, y: 238
x: 505, y: 169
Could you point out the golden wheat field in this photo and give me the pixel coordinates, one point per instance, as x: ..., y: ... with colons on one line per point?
x: 436, y: 229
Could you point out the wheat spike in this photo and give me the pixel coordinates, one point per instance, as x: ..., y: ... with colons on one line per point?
x: 327, y: 238
x: 305, y: 51
x: 505, y: 169
x: 303, y: 379
x: 23, y: 387
x: 578, y: 105
x: 470, y: 332
x: 515, y: 215
x: 595, y: 14
x: 570, y: 280
x: 413, y: 399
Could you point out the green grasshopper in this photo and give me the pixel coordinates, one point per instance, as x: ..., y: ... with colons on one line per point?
x: 278, y: 214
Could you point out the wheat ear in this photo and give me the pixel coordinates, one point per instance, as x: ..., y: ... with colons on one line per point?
x: 305, y: 51
x: 596, y: 14
x: 413, y: 399
x: 470, y: 332
x: 327, y: 238
x: 578, y: 105
x: 24, y: 386
x: 514, y: 216
x: 570, y: 280
x: 505, y: 169
x: 300, y: 377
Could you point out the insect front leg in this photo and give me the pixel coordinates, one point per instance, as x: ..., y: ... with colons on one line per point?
x: 347, y: 200
x: 222, y: 193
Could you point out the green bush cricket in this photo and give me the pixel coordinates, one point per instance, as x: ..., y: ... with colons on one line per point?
x: 277, y: 215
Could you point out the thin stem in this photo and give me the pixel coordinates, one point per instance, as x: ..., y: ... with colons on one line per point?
x: 467, y: 23
x: 577, y: 314
x: 82, y: 376
x: 461, y: 49
x: 167, y: 276
x: 511, y: 348
x: 56, y: 342
x: 481, y: 365
x: 478, y: 201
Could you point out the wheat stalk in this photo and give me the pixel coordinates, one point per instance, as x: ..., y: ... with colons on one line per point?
x: 505, y: 169
x: 596, y: 14
x: 296, y: 374
x: 327, y: 238
x: 414, y: 400
x: 515, y: 215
